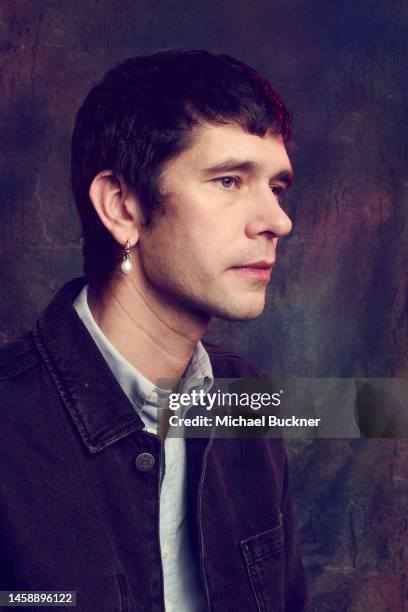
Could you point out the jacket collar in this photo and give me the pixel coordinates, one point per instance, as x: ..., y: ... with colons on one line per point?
x: 94, y: 399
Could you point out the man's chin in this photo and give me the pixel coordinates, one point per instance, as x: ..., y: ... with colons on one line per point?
x: 240, y: 312
x: 237, y: 318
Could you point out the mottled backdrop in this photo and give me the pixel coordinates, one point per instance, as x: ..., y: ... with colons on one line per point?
x: 338, y: 300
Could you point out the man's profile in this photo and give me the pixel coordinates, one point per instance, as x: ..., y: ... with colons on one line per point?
x: 178, y: 166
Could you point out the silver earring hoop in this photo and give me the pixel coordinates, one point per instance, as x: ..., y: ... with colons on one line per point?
x: 126, y: 265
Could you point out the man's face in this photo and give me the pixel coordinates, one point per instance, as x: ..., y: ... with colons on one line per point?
x: 222, y: 213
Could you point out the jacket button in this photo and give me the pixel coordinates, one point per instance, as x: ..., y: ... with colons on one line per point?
x: 144, y: 462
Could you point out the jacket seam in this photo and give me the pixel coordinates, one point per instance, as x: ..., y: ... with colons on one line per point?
x: 199, y: 511
x: 261, y: 533
x: 25, y: 366
x: 20, y: 363
x: 258, y: 601
x: 122, y: 592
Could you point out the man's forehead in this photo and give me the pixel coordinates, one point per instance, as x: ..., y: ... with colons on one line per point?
x: 225, y: 147
x: 211, y: 148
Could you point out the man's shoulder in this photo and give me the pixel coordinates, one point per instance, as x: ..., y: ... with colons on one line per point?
x: 227, y: 364
x: 18, y: 356
x: 19, y: 387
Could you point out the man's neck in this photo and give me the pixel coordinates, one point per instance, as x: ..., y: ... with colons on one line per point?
x: 157, y: 335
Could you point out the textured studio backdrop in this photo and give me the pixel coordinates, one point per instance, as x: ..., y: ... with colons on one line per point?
x: 337, y: 302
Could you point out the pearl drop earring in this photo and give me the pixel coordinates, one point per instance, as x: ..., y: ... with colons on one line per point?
x: 126, y: 265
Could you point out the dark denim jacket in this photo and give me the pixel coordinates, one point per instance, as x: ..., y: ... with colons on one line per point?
x: 79, y: 508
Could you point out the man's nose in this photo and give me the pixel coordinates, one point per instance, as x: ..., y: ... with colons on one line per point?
x: 267, y: 216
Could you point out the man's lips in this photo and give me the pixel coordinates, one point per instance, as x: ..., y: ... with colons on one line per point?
x: 257, y: 264
x: 258, y: 270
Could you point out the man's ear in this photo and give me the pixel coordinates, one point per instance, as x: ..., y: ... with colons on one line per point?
x: 120, y: 212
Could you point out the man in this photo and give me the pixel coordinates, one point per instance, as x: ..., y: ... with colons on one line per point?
x: 178, y: 166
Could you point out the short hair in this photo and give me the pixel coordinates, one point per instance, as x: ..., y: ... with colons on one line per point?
x: 141, y: 115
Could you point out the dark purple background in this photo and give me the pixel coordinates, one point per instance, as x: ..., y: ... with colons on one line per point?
x: 337, y: 303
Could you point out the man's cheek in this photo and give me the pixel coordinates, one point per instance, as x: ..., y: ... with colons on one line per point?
x: 205, y: 235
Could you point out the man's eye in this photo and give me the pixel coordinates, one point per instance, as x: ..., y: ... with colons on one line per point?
x: 227, y: 181
x: 278, y: 191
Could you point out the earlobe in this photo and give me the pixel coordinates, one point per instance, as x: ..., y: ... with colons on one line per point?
x: 115, y: 207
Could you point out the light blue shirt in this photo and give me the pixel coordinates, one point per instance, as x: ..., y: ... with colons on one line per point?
x: 183, y: 589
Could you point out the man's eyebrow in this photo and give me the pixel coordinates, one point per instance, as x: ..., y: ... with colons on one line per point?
x: 236, y: 165
x: 230, y: 165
